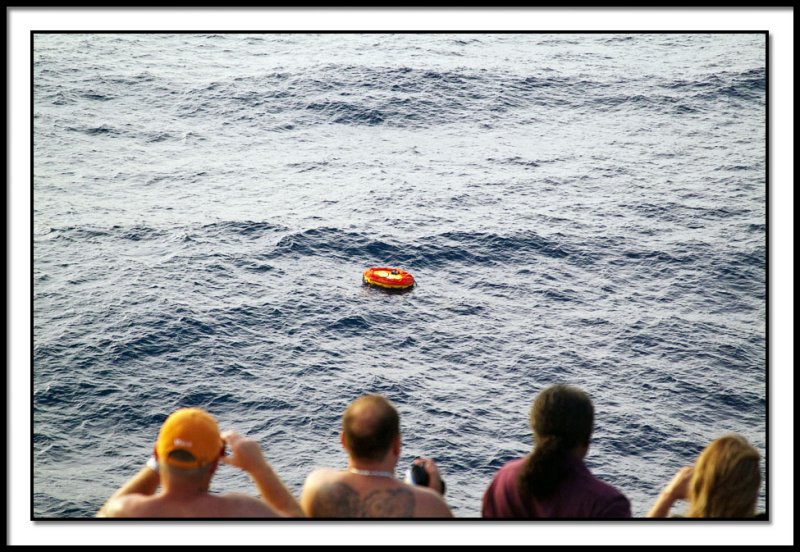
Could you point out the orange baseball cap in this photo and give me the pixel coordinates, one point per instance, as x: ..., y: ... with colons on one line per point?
x: 194, y: 432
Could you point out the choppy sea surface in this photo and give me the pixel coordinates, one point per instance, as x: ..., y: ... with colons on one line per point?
x: 576, y: 208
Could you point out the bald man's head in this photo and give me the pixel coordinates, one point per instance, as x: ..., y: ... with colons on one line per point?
x: 369, y: 425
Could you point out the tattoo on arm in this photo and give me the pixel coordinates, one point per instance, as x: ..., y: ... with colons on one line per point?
x: 341, y: 500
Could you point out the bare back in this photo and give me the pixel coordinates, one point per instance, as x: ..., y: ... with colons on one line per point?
x: 338, y: 494
x: 231, y: 505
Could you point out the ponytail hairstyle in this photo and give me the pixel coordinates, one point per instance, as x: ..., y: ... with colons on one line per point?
x: 726, y: 480
x: 561, y: 418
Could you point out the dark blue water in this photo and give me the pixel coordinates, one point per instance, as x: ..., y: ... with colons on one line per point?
x: 586, y: 209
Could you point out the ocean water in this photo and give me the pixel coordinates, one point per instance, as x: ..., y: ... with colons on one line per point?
x: 576, y: 208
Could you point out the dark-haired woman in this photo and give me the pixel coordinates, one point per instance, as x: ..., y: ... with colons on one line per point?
x: 553, y: 481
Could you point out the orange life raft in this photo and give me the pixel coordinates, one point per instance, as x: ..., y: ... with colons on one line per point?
x: 392, y: 278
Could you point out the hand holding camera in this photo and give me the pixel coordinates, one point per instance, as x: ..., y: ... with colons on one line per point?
x: 423, y: 472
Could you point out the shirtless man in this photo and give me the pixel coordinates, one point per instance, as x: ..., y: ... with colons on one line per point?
x: 185, y: 457
x: 368, y: 488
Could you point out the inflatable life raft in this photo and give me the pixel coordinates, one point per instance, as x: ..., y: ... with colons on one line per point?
x: 390, y: 278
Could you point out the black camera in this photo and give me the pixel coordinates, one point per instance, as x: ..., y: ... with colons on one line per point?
x: 416, y: 475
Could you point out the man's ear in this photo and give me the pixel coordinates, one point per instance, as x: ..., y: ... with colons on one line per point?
x: 396, y: 445
x: 343, y: 440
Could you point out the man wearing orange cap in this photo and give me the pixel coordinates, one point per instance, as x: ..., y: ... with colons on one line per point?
x: 185, y: 457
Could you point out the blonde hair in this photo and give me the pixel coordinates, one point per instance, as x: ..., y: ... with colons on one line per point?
x: 726, y: 480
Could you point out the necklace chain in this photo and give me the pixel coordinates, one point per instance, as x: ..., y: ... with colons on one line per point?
x: 371, y: 472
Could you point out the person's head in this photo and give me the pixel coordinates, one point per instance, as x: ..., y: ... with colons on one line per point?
x: 189, y: 443
x: 563, y: 414
x: 370, y: 428
x: 726, y: 480
x: 561, y: 418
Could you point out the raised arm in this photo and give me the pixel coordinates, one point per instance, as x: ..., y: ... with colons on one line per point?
x: 435, y: 505
x: 145, y: 482
x: 246, y: 454
x: 677, y: 489
x: 435, y: 481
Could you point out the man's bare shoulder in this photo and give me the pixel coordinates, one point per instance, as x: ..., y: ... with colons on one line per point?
x: 316, y: 480
x: 230, y: 505
x: 320, y: 477
x: 131, y: 505
x: 324, y: 474
x: 242, y: 505
x: 430, y: 503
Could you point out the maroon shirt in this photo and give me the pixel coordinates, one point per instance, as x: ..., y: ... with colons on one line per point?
x: 580, y: 495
